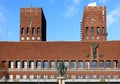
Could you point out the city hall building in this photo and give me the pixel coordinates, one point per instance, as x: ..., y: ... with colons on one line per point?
x: 34, y: 60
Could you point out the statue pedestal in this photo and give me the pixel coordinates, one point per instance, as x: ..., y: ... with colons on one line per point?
x: 61, y: 80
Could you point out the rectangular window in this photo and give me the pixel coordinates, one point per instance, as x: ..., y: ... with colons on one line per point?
x: 52, y: 64
x: 17, y: 76
x: 80, y: 64
x: 24, y: 77
x: 38, y: 64
x: 11, y: 76
x: 38, y: 77
x: 101, y: 76
x: 80, y: 76
x: 73, y: 77
x: 87, y: 77
x: 101, y: 63
x: 115, y: 77
x: 45, y: 64
x: 31, y: 77
x: 66, y: 64
x: 87, y: 64
x: 115, y: 64
x: 31, y: 64
x: 94, y: 64
x: 11, y: 64
x: 108, y: 64
x: 73, y: 64
x: 108, y: 77
x: 25, y: 64
x: 94, y: 76
x: 51, y: 76
x: 45, y: 77
x: 18, y: 64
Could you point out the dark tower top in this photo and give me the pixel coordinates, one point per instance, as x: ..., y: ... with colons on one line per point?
x: 93, y: 26
x: 32, y: 24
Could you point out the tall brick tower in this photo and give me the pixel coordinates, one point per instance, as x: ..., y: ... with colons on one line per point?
x: 32, y: 24
x: 93, y: 26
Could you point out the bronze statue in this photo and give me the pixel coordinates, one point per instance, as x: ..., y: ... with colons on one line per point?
x: 95, y: 46
x: 61, y: 68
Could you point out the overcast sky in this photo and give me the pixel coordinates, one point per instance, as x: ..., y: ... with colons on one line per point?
x: 63, y: 18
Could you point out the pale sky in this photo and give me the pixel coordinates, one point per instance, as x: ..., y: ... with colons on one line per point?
x: 63, y: 18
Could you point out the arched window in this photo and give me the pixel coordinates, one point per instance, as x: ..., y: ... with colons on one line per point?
x: 86, y: 30
x: 28, y: 31
x: 103, y: 30
x: 98, y: 30
x: 33, y: 31
x: 22, y: 31
x: 92, y: 30
x: 38, y: 31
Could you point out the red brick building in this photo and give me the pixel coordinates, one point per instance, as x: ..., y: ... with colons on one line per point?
x: 94, y: 59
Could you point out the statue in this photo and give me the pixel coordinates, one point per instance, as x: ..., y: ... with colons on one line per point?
x: 62, y: 69
x: 95, y: 46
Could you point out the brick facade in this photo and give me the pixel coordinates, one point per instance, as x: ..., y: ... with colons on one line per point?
x: 33, y: 59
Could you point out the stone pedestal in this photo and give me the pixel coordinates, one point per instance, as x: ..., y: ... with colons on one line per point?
x: 61, y: 80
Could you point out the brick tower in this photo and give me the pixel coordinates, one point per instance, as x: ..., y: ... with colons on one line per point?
x: 93, y: 26
x: 32, y: 24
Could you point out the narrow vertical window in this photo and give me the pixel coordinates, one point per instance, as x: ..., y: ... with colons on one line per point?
x: 45, y: 64
x: 51, y: 76
x: 103, y: 30
x: 18, y: 64
x: 11, y: 64
x: 67, y: 64
x: 45, y: 77
x: 101, y: 64
x: 79, y: 76
x: 38, y: 31
x: 33, y: 31
x: 32, y: 64
x: 115, y: 64
x: 28, y: 31
x: 87, y: 64
x: 87, y: 77
x: 80, y: 64
x: 38, y: 77
x: 38, y: 64
x: 94, y: 76
x: 86, y: 30
x: 52, y: 64
x: 101, y: 76
x: 24, y: 77
x: 94, y: 64
x: 98, y: 30
x: 73, y: 64
x: 92, y: 30
x: 22, y: 31
x: 108, y: 64
x: 25, y: 64
x: 31, y: 77
x: 73, y: 77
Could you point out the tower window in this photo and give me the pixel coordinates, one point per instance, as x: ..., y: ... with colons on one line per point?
x: 38, y: 31
x: 22, y: 31
x: 92, y: 30
x: 27, y: 31
x: 33, y: 31
x: 86, y: 30
x: 98, y: 30
x: 103, y: 30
